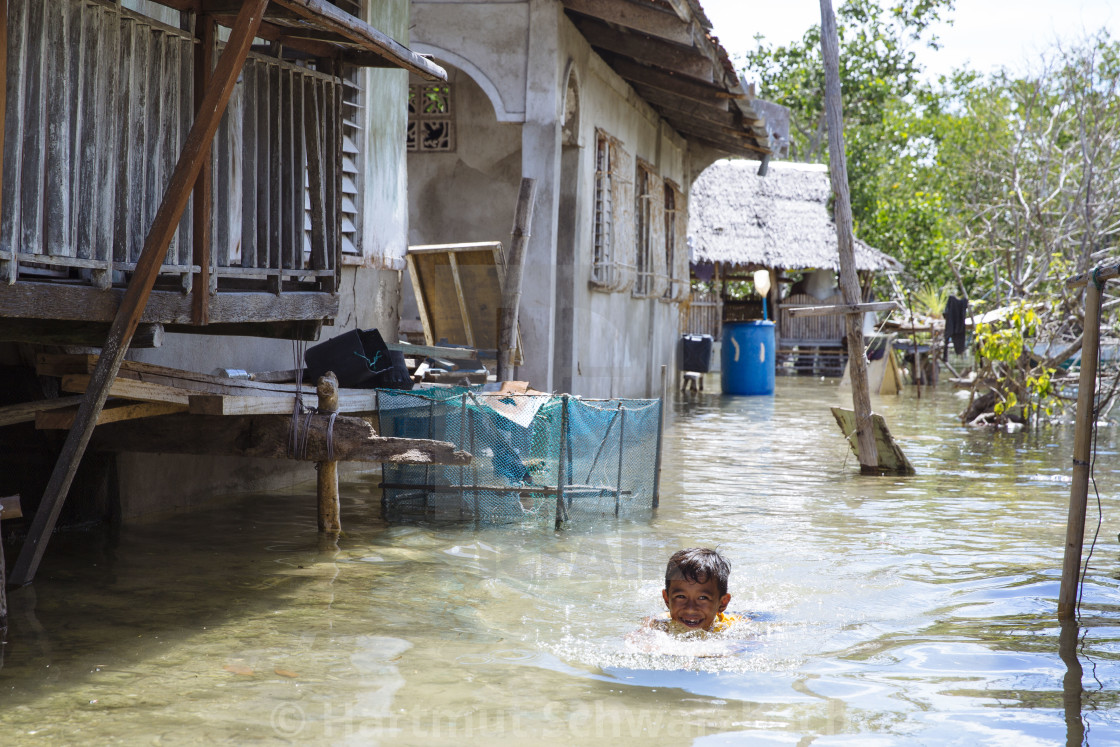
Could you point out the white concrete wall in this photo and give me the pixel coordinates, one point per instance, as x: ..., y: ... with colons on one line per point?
x: 575, y: 339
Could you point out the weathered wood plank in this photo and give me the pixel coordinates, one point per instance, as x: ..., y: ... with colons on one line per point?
x: 202, y: 207
x: 81, y: 303
x: 25, y: 412
x: 273, y: 180
x: 262, y: 136
x: 84, y: 200
x: 844, y: 308
x: 62, y: 364
x: 58, y: 332
x: 34, y: 132
x: 464, y: 311
x: 349, y: 400
x: 682, y: 60
x: 130, y: 389
x: 439, y: 351
x: 108, y: 121
x: 889, y: 456
x: 313, y: 136
x: 267, y: 436
x: 14, y: 30
x: 113, y: 412
x: 648, y: 19
x: 338, y: 21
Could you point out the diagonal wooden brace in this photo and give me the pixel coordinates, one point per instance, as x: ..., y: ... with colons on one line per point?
x: 166, y: 222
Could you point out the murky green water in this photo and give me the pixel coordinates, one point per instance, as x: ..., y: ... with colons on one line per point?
x: 888, y: 610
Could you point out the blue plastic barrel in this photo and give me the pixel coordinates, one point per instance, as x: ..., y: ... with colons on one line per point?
x: 747, y: 358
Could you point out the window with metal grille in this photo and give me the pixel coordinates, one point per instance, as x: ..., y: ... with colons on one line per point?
x: 431, y: 120
x: 644, y: 212
x: 675, y: 250
x: 602, y: 259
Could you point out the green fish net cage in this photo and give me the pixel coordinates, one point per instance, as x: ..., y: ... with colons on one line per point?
x: 536, y: 457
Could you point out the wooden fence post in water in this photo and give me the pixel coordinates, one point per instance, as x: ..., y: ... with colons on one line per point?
x: 9, y: 509
x: 1082, y: 451
x: 849, y: 284
x: 327, y: 482
x: 511, y: 288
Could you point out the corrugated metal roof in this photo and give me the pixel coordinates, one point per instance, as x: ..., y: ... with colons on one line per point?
x: 780, y: 220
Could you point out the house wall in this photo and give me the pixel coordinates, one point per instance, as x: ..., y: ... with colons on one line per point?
x: 576, y: 339
x: 369, y: 297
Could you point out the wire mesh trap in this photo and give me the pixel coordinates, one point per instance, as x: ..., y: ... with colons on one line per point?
x: 537, y: 458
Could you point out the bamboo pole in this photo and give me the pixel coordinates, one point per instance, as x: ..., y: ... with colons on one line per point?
x: 849, y: 283
x: 511, y: 289
x: 326, y: 486
x: 1082, y: 453
x: 164, y: 225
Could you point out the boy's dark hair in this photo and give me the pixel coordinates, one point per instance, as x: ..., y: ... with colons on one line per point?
x: 698, y: 564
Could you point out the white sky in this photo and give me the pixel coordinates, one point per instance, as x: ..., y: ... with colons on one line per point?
x: 985, y: 33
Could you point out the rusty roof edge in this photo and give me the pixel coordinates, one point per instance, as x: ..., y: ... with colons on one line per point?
x: 357, y: 30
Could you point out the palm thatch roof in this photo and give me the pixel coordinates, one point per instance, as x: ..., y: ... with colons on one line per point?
x: 781, y: 220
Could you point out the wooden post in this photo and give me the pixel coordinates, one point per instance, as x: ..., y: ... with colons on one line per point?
x: 1082, y: 453
x: 1072, y: 689
x: 327, y: 484
x: 661, y: 432
x: 206, y: 33
x: 560, y: 462
x: 849, y: 283
x: 9, y: 509
x: 164, y: 225
x: 511, y: 289
x: 10, y: 275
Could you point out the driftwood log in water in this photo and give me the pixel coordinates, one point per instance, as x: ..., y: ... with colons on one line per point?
x: 268, y: 436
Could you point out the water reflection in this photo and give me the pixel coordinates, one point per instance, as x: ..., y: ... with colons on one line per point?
x: 884, y: 610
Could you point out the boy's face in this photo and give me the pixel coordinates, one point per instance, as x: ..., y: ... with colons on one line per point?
x: 694, y: 605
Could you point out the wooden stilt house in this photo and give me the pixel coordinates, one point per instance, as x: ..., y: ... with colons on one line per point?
x: 177, y: 172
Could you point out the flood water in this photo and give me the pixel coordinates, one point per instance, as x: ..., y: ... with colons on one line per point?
x: 884, y: 610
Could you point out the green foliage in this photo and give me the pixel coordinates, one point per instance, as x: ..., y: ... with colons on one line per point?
x: 897, y: 203
x: 1023, y: 388
x: 932, y: 300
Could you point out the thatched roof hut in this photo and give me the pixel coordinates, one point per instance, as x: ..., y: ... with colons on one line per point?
x: 780, y: 221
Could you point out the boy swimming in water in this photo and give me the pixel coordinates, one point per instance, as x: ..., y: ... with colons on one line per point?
x: 696, y: 592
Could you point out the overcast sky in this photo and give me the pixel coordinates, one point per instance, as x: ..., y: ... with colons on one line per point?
x: 985, y: 33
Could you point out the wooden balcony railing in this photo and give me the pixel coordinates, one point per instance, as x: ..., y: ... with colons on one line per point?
x: 98, y: 102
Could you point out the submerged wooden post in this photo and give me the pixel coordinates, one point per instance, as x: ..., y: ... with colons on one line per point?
x: 1072, y: 689
x: 9, y: 509
x: 560, y: 462
x: 164, y: 226
x: 661, y: 434
x: 849, y: 283
x: 511, y: 288
x: 1082, y: 453
x: 326, y: 488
